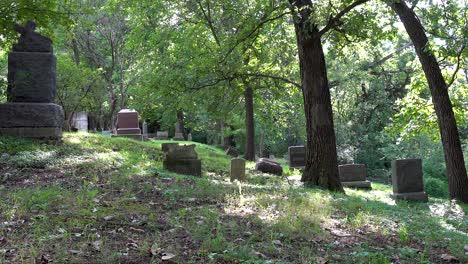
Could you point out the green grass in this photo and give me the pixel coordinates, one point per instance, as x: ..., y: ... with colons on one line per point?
x: 96, y: 199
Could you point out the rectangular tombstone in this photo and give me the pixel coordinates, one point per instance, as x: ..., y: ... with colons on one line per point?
x: 162, y: 135
x: 237, y: 169
x: 407, y: 180
x: 182, y: 159
x: 354, y: 176
x: 297, y: 156
x: 128, y: 125
x: 352, y: 172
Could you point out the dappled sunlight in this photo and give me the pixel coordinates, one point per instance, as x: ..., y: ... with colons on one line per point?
x: 383, y: 196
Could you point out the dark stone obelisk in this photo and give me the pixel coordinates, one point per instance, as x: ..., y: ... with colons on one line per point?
x: 30, y: 110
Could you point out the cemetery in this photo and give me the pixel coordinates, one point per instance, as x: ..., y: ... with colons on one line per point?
x: 233, y: 132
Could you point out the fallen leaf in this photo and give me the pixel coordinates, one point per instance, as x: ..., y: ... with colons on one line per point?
x: 136, y: 230
x: 277, y: 242
x: 321, y: 260
x: 75, y: 252
x: 109, y: 217
x: 97, y: 245
x: 132, y: 245
x: 167, y: 256
x: 449, y: 258
x: 155, y: 249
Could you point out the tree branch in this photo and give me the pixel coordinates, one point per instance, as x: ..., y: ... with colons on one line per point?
x: 335, y: 21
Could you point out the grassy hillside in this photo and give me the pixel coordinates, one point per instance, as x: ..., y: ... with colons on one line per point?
x: 95, y: 199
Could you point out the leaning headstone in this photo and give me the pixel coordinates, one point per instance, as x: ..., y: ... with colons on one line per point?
x: 128, y: 125
x: 297, y: 156
x: 354, y: 176
x: 237, y: 169
x: 30, y: 110
x: 407, y: 179
x: 162, y: 135
x: 269, y: 166
x: 178, y: 136
x: 182, y: 159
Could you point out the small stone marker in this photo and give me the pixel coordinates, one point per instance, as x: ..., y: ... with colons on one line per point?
x: 189, y: 137
x: 297, y: 156
x: 30, y: 110
x: 237, y: 169
x: 80, y: 121
x: 268, y: 166
x: 354, y: 176
x: 145, y: 130
x: 182, y: 159
x: 162, y: 135
x: 407, y: 179
x: 127, y: 124
x: 106, y: 133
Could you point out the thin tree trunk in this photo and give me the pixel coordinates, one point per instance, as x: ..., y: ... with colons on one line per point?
x: 249, y: 125
x: 180, y: 121
x: 456, y: 170
x: 321, y: 157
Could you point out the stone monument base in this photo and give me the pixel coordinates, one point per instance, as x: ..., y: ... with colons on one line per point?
x: 183, y: 166
x: 134, y: 133
x: 357, y: 184
x: 31, y: 120
x: 414, y: 196
x: 179, y: 137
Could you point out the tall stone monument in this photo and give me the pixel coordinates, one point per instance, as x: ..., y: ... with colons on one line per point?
x: 30, y: 110
x: 179, y: 133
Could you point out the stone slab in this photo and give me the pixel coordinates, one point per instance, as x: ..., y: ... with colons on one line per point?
x: 352, y: 172
x: 237, y: 170
x: 183, y: 166
x: 297, y: 156
x: 133, y: 136
x: 407, y: 176
x: 166, y: 146
x: 31, y: 115
x: 413, y: 196
x: 33, y: 132
x: 175, y: 152
x: 31, y: 77
x: 357, y: 184
x: 128, y: 131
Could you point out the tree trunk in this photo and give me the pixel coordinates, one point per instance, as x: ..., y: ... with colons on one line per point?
x: 249, y: 125
x: 321, y: 158
x: 456, y: 170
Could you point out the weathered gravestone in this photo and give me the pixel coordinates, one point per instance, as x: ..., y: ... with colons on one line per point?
x: 181, y: 159
x: 237, y: 169
x: 189, y: 136
x: 407, y: 179
x: 80, y: 121
x: 162, y: 135
x: 128, y: 125
x: 30, y: 110
x: 354, y: 175
x: 297, y: 156
x: 268, y: 166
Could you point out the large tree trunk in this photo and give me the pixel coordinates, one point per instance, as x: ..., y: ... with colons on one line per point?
x: 249, y: 125
x: 321, y: 158
x: 456, y: 170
